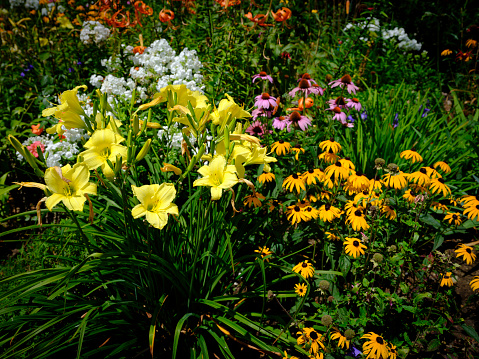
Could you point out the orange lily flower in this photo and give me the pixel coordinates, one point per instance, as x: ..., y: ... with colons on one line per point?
x: 259, y: 19
x: 226, y: 3
x: 36, y: 130
x: 166, y: 15
x: 281, y: 15
x: 142, y: 8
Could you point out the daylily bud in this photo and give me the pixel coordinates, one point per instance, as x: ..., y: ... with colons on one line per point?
x: 144, y: 151
x: 170, y: 168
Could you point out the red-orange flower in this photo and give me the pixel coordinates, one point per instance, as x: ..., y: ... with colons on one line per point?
x: 259, y: 19
x: 226, y: 3
x: 166, y: 15
x: 37, y: 130
x: 142, y: 8
x: 281, y: 15
x: 139, y: 49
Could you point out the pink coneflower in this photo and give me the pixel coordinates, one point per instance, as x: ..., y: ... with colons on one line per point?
x: 338, y: 114
x: 353, y: 103
x: 281, y: 122
x: 298, y: 120
x: 306, y: 76
x: 260, y: 112
x: 307, y: 87
x: 265, y: 101
x: 263, y: 76
x: 257, y: 129
x: 345, y: 81
x: 338, y: 102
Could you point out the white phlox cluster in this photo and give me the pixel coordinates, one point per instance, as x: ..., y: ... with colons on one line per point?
x: 397, y: 35
x: 157, y: 67
x: 94, y: 32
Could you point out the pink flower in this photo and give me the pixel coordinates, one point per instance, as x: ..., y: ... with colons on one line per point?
x: 259, y: 112
x: 353, y: 103
x: 298, y: 120
x: 307, y: 87
x: 281, y: 123
x: 257, y: 129
x: 345, y: 81
x: 265, y: 101
x: 33, y: 148
x: 338, y: 102
x: 263, y: 76
x: 338, y: 114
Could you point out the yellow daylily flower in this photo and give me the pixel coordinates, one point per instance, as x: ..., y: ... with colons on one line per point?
x: 170, y: 168
x: 155, y: 203
x: 227, y: 111
x: 69, y: 111
x: 201, y: 114
x: 256, y: 156
x: 104, y: 145
x: 218, y: 176
x: 184, y: 95
x: 69, y: 185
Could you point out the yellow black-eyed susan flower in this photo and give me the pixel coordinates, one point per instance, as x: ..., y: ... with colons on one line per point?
x: 447, y: 280
x: 375, y: 185
x: 432, y: 172
x: 295, y: 214
x: 376, y: 347
x: 337, y: 171
x: 346, y: 162
x: 474, y: 283
x: 328, y: 157
x: 357, y: 220
x: 438, y: 185
x: 359, y: 181
x: 309, y: 337
x: 472, y: 212
x: 266, y: 177
x: 439, y: 206
x: 393, y: 352
x: 349, y: 188
x: 281, y: 147
x: 411, y: 155
x: 471, y: 43
x: 311, y: 212
x: 330, y: 145
x: 365, y: 197
x: 351, y: 206
x: 297, y: 150
x: 395, y: 180
x: 303, y: 203
x: 312, y: 176
x: 325, y: 195
x: 289, y: 357
x: 273, y: 203
x: 443, y: 166
x: 353, y: 247
x: 453, y: 218
x: 327, y: 213
x: 264, y: 251
x: 328, y: 183
x: 295, y: 181
x: 332, y: 237
x: 466, y: 253
x: 253, y: 199
x: 342, y: 340
x: 305, y: 268
x: 420, y: 177
x: 453, y: 201
x: 301, y: 289
x: 469, y: 201
x: 390, y: 211
x: 410, y: 195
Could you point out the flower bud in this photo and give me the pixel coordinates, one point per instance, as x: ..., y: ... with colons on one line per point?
x: 326, y: 320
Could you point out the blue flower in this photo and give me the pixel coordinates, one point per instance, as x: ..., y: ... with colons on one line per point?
x: 22, y: 74
x: 364, y: 115
x: 396, y: 120
x: 353, y: 352
x: 350, y: 119
x: 70, y: 70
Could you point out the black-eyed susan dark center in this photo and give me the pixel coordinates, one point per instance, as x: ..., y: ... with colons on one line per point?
x: 358, y: 213
x: 295, y: 176
x: 356, y: 243
x: 380, y: 340
x: 423, y: 170
x: 297, y: 209
x: 468, y: 250
x: 304, y: 265
x: 314, y: 336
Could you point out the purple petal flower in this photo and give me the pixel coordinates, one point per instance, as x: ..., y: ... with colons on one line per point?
x: 425, y: 111
x: 70, y: 70
x: 345, y: 81
x: 280, y: 123
x: 260, y: 112
x: 263, y: 76
x: 298, y: 120
x: 353, y: 103
x: 338, y: 114
x: 265, y: 101
x: 22, y: 74
x: 351, y: 119
x: 257, y: 129
x: 307, y: 87
x: 354, y: 352
x: 338, y: 102
x: 396, y: 120
x: 364, y: 115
